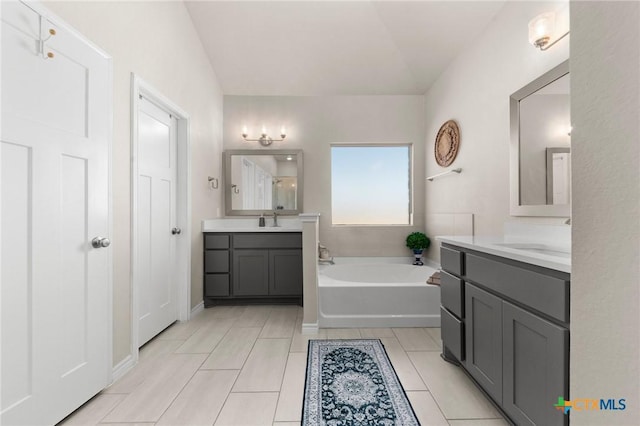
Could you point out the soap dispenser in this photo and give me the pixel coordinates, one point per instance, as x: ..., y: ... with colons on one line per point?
x: 261, y: 221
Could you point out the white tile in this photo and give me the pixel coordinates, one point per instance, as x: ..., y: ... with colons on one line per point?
x: 149, y: 400
x: 300, y: 342
x: 343, y: 333
x: 92, y: 412
x: 280, y: 323
x: 376, y: 333
x: 206, y: 338
x: 409, y: 377
x: 152, y: 357
x: 253, y: 316
x: 435, y: 334
x: 426, y: 409
x: 263, y: 370
x: 456, y: 395
x: 201, y: 400
x: 248, y: 409
x: 233, y: 349
x: 225, y: 311
x: 416, y: 339
x: 292, y: 391
x: 479, y: 422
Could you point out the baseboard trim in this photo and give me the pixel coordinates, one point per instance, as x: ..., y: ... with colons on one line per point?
x: 197, y: 309
x: 122, y: 368
x: 310, y: 328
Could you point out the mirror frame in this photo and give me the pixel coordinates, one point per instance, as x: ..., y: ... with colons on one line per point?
x: 516, y: 209
x: 248, y: 152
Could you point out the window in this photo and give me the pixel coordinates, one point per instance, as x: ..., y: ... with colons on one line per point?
x: 371, y: 185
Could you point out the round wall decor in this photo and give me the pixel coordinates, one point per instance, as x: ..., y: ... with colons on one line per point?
x: 447, y: 143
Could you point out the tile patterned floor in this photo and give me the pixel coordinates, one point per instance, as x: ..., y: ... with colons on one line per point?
x: 245, y: 365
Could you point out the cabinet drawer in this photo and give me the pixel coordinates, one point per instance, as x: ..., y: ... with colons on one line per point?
x: 267, y: 240
x: 216, y: 261
x: 216, y: 285
x: 452, y: 293
x: 451, y: 329
x: 544, y: 293
x: 216, y: 241
x: 451, y: 260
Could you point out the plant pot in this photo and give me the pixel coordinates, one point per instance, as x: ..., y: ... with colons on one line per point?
x: 417, y: 254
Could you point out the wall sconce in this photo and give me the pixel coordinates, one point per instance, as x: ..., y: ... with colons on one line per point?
x: 541, y: 29
x: 264, y: 139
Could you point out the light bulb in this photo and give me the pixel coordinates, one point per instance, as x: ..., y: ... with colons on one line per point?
x: 264, y: 131
x: 283, y: 132
x: 245, y: 132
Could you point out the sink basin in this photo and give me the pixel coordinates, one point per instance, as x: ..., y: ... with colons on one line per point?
x: 537, y: 248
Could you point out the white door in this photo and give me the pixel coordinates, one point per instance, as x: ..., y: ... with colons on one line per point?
x: 55, y: 286
x: 157, y: 230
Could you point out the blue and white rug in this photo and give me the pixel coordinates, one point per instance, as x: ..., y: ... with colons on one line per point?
x: 352, y: 383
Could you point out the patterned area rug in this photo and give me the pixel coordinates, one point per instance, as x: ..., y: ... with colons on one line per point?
x: 352, y: 383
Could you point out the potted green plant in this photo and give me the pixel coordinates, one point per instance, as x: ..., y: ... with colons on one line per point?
x: 417, y: 241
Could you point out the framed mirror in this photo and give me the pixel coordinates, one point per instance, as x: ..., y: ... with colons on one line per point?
x: 540, y: 154
x: 260, y: 181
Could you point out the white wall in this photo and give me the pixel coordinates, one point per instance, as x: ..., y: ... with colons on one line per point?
x: 474, y: 90
x: 313, y: 124
x: 605, y: 279
x: 157, y: 41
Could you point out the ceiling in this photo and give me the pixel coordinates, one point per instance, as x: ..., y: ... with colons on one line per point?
x: 300, y: 48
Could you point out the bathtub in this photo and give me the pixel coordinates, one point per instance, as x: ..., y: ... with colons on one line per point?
x: 368, y: 293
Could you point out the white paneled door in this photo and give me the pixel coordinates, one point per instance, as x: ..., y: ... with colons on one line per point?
x: 55, y: 287
x: 156, y: 220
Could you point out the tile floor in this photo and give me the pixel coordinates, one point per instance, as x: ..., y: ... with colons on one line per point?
x: 245, y: 365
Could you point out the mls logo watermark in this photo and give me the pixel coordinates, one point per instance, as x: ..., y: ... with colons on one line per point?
x: 588, y: 404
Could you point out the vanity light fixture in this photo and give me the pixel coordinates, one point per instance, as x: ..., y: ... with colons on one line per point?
x: 541, y: 29
x: 264, y: 138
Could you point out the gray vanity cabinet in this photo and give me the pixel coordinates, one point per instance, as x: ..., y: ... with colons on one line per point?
x: 506, y: 323
x: 285, y: 272
x: 250, y: 272
x: 246, y: 267
x: 483, y: 358
x: 535, y: 367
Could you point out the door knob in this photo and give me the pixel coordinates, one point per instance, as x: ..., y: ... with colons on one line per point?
x: 175, y: 231
x: 99, y: 242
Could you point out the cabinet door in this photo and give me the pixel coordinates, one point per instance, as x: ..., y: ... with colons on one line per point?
x: 483, y: 328
x: 535, y: 367
x: 250, y: 272
x: 285, y: 269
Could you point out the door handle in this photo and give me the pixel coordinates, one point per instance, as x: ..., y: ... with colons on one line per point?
x: 176, y: 231
x: 100, y: 242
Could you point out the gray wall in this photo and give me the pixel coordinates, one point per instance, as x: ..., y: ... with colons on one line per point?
x: 313, y: 124
x: 605, y: 107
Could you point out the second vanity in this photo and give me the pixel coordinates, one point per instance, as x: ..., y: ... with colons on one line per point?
x: 505, y: 320
x: 244, y: 263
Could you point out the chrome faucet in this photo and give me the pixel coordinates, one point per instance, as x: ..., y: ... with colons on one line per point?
x: 275, y: 219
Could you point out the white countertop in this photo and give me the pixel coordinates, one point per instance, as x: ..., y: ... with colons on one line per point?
x: 250, y: 224
x: 524, y: 250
